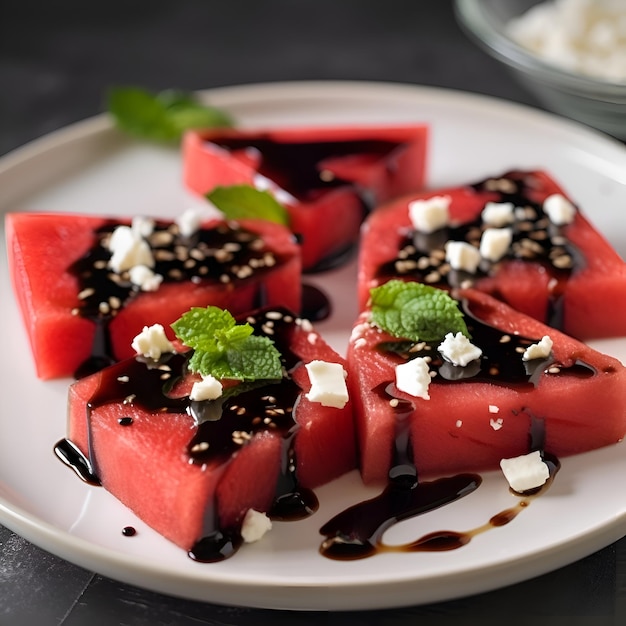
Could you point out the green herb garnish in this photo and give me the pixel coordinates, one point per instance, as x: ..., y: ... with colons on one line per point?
x: 416, y: 311
x: 243, y: 201
x: 225, y: 349
x: 162, y: 116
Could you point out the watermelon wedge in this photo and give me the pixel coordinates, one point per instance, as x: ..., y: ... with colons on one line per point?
x: 570, y: 400
x: 192, y: 469
x: 566, y: 275
x: 81, y: 315
x: 323, y: 175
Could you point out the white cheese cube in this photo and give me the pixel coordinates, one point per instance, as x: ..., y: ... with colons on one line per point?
x: 540, y: 350
x: 462, y: 256
x: 152, y: 342
x: 209, y: 388
x: 328, y: 384
x: 190, y: 220
x: 145, y: 278
x: 254, y: 526
x: 142, y: 226
x: 498, y: 214
x: 458, y: 349
x: 128, y: 249
x: 430, y: 214
x: 525, y: 472
x: 413, y: 377
x: 495, y: 243
x: 559, y: 209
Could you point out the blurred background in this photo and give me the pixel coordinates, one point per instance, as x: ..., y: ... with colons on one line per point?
x: 58, y: 58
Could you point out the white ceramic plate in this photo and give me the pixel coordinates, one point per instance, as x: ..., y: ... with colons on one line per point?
x: 90, y: 167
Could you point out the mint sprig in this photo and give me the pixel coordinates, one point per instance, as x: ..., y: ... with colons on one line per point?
x: 243, y: 201
x: 225, y: 349
x: 162, y: 116
x: 416, y: 311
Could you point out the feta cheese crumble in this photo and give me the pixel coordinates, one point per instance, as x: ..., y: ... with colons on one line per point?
x: 498, y: 214
x: 495, y: 243
x: 209, y: 388
x: 151, y: 342
x: 413, y: 377
x: 430, y: 214
x: 458, y: 349
x: 145, y: 278
x: 142, y: 226
x: 254, y: 526
x: 190, y: 220
x: 582, y: 36
x: 559, y: 209
x: 462, y: 256
x: 540, y: 350
x: 525, y: 472
x: 128, y: 248
x: 328, y: 384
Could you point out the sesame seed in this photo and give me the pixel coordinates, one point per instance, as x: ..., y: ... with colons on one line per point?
x: 394, y: 402
x: 161, y: 238
x: 274, y: 315
x: 86, y: 293
x: 123, y: 379
x: 505, y: 338
x: 130, y: 398
x: 202, y: 446
x: 115, y: 302
x: 554, y: 370
x: 197, y: 254
x: 563, y: 261
x: 164, y: 255
x: 104, y: 308
x: 244, y: 272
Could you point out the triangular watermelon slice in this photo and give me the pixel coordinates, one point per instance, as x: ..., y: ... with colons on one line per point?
x: 566, y: 275
x: 570, y: 400
x: 143, y: 444
x: 323, y: 175
x: 79, y: 314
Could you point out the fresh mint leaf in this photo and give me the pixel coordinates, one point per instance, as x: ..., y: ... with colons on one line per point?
x: 243, y: 201
x: 162, y: 116
x: 226, y: 349
x: 416, y: 311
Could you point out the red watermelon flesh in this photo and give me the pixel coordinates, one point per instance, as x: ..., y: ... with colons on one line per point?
x: 43, y: 248
x: 574, y: 298
x: 150, y: 466
x: 577, y: 398
x: 321, y: 174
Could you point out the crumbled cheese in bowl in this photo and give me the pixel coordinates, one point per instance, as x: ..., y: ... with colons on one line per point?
x: 581, y: 36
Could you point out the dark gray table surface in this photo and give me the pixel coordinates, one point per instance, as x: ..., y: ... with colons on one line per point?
x: 56, y: 61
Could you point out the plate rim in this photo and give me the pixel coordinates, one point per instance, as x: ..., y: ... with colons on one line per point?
x: 22, y: 522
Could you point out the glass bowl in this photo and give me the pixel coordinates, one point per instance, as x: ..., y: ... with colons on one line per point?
x: 595, y: 102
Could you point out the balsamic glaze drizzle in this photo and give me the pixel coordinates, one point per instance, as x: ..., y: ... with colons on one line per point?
x: 298, y: 168
x: 535, y: 239
x: 357, y: 532
x: 225, y: 254
x: 223, y: 426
